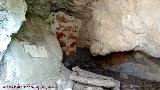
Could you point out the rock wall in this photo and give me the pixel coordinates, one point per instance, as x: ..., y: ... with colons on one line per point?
x: 40, y: 8
x: 33, y: 55
x: 132, y: 63
x: 107, y: 26
x: 12, y: 14
x: 122, y: 26
x: 66, y: 28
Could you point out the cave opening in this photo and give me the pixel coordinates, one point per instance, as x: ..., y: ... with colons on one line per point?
x: 89, y: 43
x: 130, y: 67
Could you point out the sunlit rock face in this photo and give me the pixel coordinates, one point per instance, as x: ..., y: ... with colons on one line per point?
x: 12, y: 14
x: 33, y: 55
x: 122, y: 25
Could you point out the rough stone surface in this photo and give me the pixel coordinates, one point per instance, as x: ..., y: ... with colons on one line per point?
x: 48, y: 83
x: 122, y: 25
x: 139, y: 65
x: 1, y: 55
x: 39, y: 8
x: 78, y: 8
x: 132, y: 63
x: 66, y: 28
x: 33, y: 55
x: 79, y: 86
x: 12, y: 14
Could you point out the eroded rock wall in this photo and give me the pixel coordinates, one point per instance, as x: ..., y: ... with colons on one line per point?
x: 12, y: 14
x: 120, y: 25
x: 66, y: 29
x: 40, y: 8
x: 33, y: 55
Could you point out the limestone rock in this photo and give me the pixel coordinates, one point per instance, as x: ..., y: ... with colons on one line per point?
x: 139, y: 65
x: 38, y: 8
x: 12, y: 14
x: 1, y: 55
x: 129, y: 63
x: 79, y: 86
x: 120, y: 25
x: 66, y: 28
x: 33, y: 55
x: 78, y: 8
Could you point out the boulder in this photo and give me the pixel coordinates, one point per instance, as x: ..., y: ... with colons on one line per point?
x: 33, y: 55
x: 12, y: 14
x: 120, y: 25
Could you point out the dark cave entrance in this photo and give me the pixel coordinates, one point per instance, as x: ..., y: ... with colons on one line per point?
x: 129, y: 67
x: 117, y: 65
